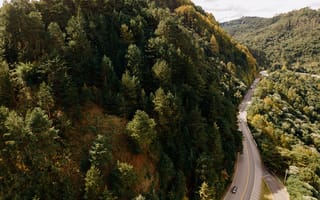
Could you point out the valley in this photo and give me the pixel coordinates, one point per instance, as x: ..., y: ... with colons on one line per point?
x: 136, y: 100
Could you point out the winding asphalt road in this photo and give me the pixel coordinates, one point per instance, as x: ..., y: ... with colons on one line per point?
x: 250, y: 171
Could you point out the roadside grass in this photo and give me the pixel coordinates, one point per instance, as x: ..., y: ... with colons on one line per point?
x: 265, y: 192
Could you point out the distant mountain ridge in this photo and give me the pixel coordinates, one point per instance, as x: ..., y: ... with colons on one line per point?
x: 287, y: 39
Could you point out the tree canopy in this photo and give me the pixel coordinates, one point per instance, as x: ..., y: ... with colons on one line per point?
x: 289, y: 39
x: 284, y: 117
x: 117, y: 99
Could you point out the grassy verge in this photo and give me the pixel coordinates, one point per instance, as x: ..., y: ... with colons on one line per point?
x: 265, y: 192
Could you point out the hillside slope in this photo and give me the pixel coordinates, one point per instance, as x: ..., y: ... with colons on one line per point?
x: 117, y: 100
x: 290, y: 39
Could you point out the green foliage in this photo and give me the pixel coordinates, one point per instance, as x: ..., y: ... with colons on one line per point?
x: 134, y: 58
x: 57, y: 37
x: 124, y: 179
x: 141, y: 129
x: 288, y: 39
x: 123, y: 59
x: 214, y: 44
x: 166, y: 169
x: 45, y: 98
x: 6, y: 90
x: 30, y: 155
x: 23, y: 31
x: 167, y: 109
x: 130, y: 87
x: 4, y: 112
x: 109, y: 81
x: 162, y: 72
x: 126, y: 33
x: 205, y: 192
x: 100, y: 152
x: 38, y: 122
x: 178, y: 189
x: 79, y: 50
x: 287, y: 129
x: 93, y: 183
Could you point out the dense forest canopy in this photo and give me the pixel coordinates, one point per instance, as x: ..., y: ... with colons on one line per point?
x: 117, y: 99
x: 285, y: 120
x: 290, y: 39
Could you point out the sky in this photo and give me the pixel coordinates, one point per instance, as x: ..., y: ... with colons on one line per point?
x: 225, y: 10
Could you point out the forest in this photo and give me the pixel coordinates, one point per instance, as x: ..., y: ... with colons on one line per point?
x: 290, y: 39
x: 285, y: 120
x: 119, y: 99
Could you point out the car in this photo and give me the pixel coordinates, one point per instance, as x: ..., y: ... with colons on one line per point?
x: 234, y: 189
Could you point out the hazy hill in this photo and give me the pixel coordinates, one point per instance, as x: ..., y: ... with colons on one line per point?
x: 117, y: 99
x: 291, y: 39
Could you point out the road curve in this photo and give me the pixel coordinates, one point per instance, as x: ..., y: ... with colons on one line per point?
x: 250, y: 171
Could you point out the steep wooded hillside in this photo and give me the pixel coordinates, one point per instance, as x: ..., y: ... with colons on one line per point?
x: 125, y: 99
x: 290, y: 39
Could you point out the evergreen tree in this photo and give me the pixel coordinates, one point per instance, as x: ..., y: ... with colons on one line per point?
x: 100, y: 152
x: 45, y: 98
x: 109, y: 82
x: 130, y: 87
x: 30, y: 151
x: 79, y: 53
x: 141, y: 130
x: 93, y: 184
x: 57, y: 37
x: 6, y: 90
x: 125, y: 179
x: 162, y: 72
x: 41, y: 135
x: 166, y: 108
x: 134, y: 61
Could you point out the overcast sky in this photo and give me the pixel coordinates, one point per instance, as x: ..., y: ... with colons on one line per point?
x: 225, y: 10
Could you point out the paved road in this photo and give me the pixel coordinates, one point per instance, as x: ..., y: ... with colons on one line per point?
x: 250, y: 170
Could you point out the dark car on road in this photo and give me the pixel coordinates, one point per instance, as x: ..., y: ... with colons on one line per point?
x: 234, y: 189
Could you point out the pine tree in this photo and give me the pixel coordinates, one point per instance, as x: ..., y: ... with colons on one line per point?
x: 79, y: 52
x: 162, y: 72
x: 100, y: 152
x: 166, y: 109
x: 141, y: 129
x: 125, y: 179
x: 45, y: 98
x: 57, y: 37
x: 6, y: 90
x: 134, y: 61
x: 93, y: 184
x: 129, y: 90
